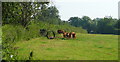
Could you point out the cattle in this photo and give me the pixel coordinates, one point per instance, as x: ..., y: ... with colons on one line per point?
x: 73, y: 34
x: 66, y: 34
x: 60, y: 31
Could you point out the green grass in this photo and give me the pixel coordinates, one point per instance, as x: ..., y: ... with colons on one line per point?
x: 0, y: 35
x: 84, y: 47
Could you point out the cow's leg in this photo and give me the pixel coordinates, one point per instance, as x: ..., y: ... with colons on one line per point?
x: 73, y: 35
x: 64, y: 35
x: 70, y: 35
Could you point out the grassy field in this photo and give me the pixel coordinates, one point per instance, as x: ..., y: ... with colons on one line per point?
x: 84, y: 47
x: 0, y: 35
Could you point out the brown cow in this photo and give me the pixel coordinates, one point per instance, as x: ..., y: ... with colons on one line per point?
x: 73, y: 34
x: 66, y: 34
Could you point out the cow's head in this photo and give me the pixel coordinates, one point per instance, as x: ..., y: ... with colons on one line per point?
x: 60, y: 31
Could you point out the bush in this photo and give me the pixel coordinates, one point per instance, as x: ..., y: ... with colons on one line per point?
x: 13, y: 33
x: 9, y: 33
x: 33, y: 31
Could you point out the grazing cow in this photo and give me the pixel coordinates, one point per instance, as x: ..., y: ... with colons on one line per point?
x: 73, y: 34
x: 70, y: 34
x: 66, y: 34
x: 60, y: 31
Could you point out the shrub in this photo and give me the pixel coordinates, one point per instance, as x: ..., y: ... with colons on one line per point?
x: 13, y: 33
x: 9, y: 33
x: 33, y: 31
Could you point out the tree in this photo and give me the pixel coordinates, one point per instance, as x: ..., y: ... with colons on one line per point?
x: 94, y: 25
x: 87, y: 23
x: 106, y: 26
x: 49, y: 14
x: 117, y: 25
x: 19, y: 12
x: 75, y: 21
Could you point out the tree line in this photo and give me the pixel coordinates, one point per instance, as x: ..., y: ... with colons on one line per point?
x: 106, y: 25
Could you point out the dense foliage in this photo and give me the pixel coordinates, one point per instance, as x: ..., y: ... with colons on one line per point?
x: 22, y: 13
x: 106, y: 25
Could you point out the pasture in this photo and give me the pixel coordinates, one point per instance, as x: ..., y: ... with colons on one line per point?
x: 0, y: 35
x: 84, y: 47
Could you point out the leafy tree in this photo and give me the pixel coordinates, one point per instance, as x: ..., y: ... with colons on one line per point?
x: 87, y: 23
x: 19, y: 12
x: 49, y: 14
x: 117, y: 25
x: 94, y: 26
x: 99, y: 25
x: 106, y: 26
x: 75, y: 21
x: 84, y: 22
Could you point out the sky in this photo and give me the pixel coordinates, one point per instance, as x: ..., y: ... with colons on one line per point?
x: 91, y: 8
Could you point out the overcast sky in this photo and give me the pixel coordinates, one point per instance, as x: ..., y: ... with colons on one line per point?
x: 91, y: 8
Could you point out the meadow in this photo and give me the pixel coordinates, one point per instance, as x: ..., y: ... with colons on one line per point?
x: 84, y: 47
x: 21, y: 37
x: 0, y: 35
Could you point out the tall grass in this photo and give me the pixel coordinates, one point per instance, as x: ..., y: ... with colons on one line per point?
x: 0, y: 35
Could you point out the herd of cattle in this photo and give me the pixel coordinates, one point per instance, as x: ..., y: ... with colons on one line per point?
x: 66, y: 34
x: 45, y: 33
